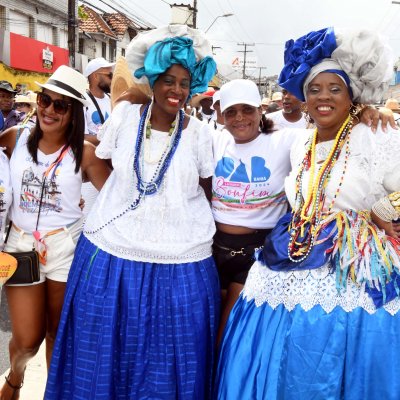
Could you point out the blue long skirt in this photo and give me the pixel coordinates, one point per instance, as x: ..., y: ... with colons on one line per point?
x: 308, y: 355
x: 135, y: 330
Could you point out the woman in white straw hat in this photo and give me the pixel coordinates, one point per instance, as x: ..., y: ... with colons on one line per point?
x: 48, y: 164
x: 142, y: 301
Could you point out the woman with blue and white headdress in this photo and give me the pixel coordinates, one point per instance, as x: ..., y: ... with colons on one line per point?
x: 319, y: 314
x: 142, y: 300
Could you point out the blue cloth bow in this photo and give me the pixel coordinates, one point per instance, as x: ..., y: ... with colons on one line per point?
x: 301, y: 55
x: 177, y: 50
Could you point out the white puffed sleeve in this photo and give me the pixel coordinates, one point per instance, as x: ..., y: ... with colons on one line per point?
x: 108, y: 134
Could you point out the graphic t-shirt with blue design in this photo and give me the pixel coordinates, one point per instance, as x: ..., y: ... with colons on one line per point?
x: 92, y: 116
x: 248, y: 181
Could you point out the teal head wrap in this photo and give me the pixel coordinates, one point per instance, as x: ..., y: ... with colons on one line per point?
x: 177, y: 50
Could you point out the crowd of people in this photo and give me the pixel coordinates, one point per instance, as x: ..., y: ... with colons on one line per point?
x: 228, y: 252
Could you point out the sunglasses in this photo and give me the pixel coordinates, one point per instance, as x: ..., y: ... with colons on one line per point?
x: 60, y: 106
x: 109, y: 74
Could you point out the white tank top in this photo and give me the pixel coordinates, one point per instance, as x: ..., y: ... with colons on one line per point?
x: 61, y: 191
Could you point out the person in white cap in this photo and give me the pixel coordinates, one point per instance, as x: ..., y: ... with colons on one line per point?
x: 48, y: 164
x: 250, y: 164
x: 99, y: 73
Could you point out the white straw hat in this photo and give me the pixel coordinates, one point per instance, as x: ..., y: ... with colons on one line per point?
x: 239, y: 91
x: 67, y: 82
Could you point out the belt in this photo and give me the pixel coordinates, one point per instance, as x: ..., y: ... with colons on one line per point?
x: 51, y: 233
x: 244, y: 251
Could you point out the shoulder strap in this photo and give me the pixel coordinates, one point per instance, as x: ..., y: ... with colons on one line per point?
x: 96, y: 105
x: 20, y: 129
x: 19, y: 132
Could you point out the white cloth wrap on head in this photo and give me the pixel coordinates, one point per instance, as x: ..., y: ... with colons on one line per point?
x: 324, y: 65
x: 139, y: 45
x: 367, y: 60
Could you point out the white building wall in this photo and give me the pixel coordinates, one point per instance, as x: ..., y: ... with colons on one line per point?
x: 19, y: 23
x: 123, y: 44
x: 50, y: 19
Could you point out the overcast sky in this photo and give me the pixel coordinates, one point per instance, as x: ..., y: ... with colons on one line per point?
x: 269, y: 24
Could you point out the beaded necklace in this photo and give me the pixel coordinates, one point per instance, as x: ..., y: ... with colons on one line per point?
x: 308, y: 213
x: 150, y: 187
x: 147, y: 142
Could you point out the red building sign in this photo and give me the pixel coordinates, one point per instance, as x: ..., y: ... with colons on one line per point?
x: 31, y: 55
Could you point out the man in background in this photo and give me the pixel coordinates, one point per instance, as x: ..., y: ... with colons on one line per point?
x: 11, y: 117
x: 99, y: 73
x: 291, y: 115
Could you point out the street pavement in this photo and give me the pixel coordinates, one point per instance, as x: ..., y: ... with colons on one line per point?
x: 35, y: 375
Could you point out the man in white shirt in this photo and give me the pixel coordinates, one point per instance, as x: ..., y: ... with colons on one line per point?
x: 99, y: 73
x: 291, y: 115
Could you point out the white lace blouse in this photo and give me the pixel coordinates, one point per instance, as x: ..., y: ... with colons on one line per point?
x: 175, y: 225
x: 373, y: 171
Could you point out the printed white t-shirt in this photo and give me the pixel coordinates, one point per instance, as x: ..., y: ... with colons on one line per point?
x: 60, y: 191
x: 248, y: 181
x: 92, y: 117
x: 5, y: 193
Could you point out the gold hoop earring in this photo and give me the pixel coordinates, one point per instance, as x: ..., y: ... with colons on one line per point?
x: 354, y: 112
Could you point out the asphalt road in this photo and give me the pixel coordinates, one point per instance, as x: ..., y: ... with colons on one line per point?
x: 4, y: 334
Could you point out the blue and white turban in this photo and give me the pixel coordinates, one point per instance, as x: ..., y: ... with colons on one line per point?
x: 361, y: 58
x: 152, y: 53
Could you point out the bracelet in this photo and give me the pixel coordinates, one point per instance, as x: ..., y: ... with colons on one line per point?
x: 395, y: 201
x: 384, y: 209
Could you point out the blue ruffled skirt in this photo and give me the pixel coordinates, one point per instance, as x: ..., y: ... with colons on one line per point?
x: 135, y: 330
x: 273, y: 354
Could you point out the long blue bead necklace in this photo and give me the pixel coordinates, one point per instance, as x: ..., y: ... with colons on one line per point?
x: 151, y: 187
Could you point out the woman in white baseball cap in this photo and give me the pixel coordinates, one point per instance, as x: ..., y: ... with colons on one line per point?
x: 48, y: 164
x: 251, y: 162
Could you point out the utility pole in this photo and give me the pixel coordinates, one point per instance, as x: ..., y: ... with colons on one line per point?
x: 245, y: 51
x: 259, y: 78
x: 71, y: 31
x: 195, y: 14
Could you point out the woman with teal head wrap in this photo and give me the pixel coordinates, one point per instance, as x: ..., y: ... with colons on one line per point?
x: 178, y: 50
x: 142, y: 305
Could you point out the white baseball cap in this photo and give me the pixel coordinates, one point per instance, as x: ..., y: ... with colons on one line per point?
x: 96, y: 64
x: 239, y: 91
